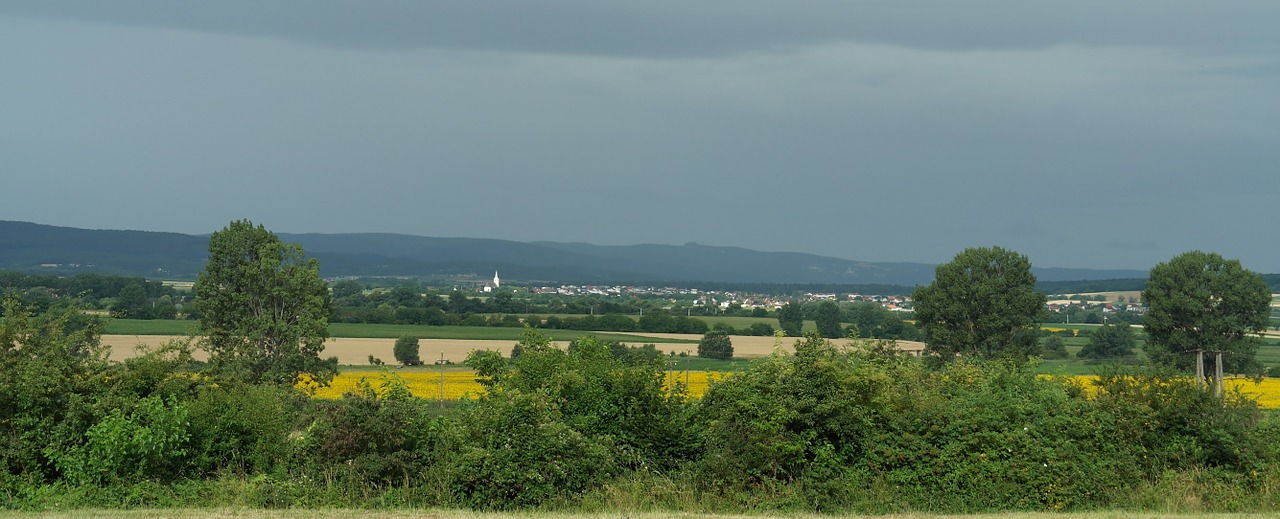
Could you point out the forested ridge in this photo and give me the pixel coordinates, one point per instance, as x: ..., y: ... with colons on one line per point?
x: 67, y: 251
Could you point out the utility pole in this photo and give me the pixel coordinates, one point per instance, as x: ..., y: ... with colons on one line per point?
x: 1217, y: 385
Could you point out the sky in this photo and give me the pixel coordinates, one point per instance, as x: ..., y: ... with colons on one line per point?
x: 1087, y: 134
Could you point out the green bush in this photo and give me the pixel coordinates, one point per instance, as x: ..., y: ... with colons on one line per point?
x: 367, y: 438
x: 516, y: 451
x: 406, y: 351
x: 242, y: 429
x: 151, y: 442
x: 715, y: 345
x: 1053, y: 347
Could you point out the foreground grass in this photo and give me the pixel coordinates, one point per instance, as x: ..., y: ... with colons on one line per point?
x: 240, y: 513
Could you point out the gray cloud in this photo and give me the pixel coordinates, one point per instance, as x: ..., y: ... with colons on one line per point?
x: 865, y: 131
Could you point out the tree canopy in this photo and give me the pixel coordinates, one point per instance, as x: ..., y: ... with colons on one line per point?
x: 1108, y: 342
x: 263, y: 308
x: 827, y: 318
x: 791, y: 319
x: 1201, y: 301
x: 715, y: 345
x: 982, y: 304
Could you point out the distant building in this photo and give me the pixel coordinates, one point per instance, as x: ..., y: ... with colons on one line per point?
x: 490, y: 286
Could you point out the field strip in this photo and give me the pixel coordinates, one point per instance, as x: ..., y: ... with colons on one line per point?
x: 242, y: 513
x: 353, y: 351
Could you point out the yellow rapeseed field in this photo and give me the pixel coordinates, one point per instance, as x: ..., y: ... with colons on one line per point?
x: 462, y: 384
x: 1266, y: 392
x: 422, y: 384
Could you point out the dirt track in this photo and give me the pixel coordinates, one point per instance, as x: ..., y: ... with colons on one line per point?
x: 356, y: 351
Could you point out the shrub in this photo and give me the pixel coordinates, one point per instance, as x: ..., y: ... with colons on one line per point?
x: 367, y: 438
x: 517, y: 451
x: 406, y: 351
x: 715, y: 345
x: 1053, y: 347
x: 241, y: 428
x: 151, y: 442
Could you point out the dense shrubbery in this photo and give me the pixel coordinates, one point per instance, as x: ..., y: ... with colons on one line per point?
x: 825, y: 428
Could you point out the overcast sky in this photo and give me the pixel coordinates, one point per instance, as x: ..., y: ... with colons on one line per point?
x: 1096, y: 134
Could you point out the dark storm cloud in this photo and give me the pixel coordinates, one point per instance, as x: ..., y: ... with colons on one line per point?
x: 681, y: 28
x: 1083, y: 134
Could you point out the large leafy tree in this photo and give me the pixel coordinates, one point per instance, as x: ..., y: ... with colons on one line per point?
x: 981, y: 304
x: 791, y: 319
x: 1201, y: 301
x: 827, y: 318
x: 263, y: 308
x: 715, y: 345
x: 1108, y: 342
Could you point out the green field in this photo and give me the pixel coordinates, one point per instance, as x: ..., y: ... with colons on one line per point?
x: 391, y: 331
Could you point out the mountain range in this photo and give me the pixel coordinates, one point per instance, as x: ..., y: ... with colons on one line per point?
x: 34, y: 247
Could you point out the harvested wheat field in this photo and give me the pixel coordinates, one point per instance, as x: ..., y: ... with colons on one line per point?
x: 351, y: 351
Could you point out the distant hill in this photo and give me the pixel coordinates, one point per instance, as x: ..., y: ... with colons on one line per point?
x: 33, y: 247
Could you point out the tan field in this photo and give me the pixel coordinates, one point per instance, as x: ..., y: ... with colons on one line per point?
x: 351, y: 351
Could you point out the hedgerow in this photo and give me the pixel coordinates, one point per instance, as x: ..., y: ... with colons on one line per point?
x: 823, y: 429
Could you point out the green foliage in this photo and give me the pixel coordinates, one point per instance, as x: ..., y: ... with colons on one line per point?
x: 379, y: 435
x: 982, y: 304
x: 149, y: 442
x: 51, y: 368
x: 517, y: 450
x: 827, y: 319
x: 263, y: 308
x: 829, y: 429
x: 1053, y: 347
x: 791, y: 319
x: 555, y: 424
x: 1199, y: 300
x: 132, y: 303
x: 715, y: 345
x: 784, y: 417
x: 760, y: 330
x: 1176, y: 425
x: 241, y: 428
x: 1109, y: 341
x: 406, y: 351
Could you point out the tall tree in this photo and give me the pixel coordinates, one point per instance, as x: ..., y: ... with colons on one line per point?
x: 715, y: 345
x: 981, y: 304
x: 1200, y: 301
x: 1108, y: 342
x: 791, y: 319
x: 132, y: 303
x: 263, y: 308
x: 827, y: 318
x: 406, y: 350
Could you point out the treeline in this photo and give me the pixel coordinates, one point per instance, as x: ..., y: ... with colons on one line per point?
x: 1089, y: 286
x: 783, y: 289
x: 123, y: 296
x: 824, y: 429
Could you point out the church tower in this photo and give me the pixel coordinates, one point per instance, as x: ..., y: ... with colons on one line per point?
x: 496, y: 283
